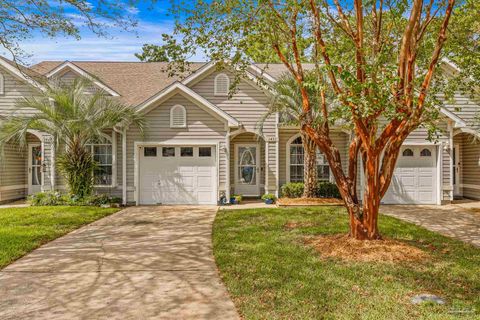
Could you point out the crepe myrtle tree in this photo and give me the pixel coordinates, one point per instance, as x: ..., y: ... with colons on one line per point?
x: 380, y: 59
x: 73, y: 119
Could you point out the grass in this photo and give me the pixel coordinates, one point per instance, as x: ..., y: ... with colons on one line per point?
x: 271, y: 274
x: 25, y: 229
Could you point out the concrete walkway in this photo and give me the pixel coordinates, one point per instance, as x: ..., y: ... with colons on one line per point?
x: 141, y: 263
x: 453, y: 220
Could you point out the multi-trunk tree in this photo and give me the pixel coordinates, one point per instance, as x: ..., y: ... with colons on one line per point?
x: 378, y: 59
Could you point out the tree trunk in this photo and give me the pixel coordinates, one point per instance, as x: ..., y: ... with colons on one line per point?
x: 309, y: 167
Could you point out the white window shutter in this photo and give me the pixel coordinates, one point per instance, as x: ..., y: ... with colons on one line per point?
x: 222, y: 84
x: 178, y: 117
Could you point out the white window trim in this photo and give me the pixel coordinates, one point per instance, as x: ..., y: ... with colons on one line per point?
x: 113, y: 141
x: 172, y: 109
x: 289, y: 142
x: 215, y: 91
x: 2, y: 84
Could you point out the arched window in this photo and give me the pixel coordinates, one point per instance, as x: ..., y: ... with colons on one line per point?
x: 296, y: 165
x: 407, y: 152
x: 178, y: 117
x: 425, y: 153
x: 2, y: 84
x: 102, y: 152
x: 222, y: 85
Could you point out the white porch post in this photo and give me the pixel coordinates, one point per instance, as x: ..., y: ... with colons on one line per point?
x: 124, y: 167
x: 52, y: 165
x: 227, y: 169
x: 267, y: 145
x: 450, y: 146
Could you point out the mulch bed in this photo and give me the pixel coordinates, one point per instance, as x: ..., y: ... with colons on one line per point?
x: 294, y: 202
x: 345, y: 248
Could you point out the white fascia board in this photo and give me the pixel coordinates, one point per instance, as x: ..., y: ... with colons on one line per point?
x: 178, y: 87
x: 83, y: 73
x: 17, y: 72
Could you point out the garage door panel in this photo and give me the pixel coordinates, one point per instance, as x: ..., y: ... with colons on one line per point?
x: 178, y: 180
x: 414, y: 180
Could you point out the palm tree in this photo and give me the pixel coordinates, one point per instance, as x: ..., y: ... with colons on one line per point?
x: 73, y: 115
x: 286, y: 100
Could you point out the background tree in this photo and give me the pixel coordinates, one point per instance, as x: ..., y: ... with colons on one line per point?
x: 73, y: 119
x: 20, y: 19
x: 380, y: 58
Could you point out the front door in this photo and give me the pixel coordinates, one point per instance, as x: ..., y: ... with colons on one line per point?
x: 456, y: 171
x: 247, y: 169
x: 34, y: 168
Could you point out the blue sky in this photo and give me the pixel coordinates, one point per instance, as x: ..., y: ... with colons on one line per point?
x: 121, y: 46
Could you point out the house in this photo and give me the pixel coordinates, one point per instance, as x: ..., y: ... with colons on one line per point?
x: 201, y: 143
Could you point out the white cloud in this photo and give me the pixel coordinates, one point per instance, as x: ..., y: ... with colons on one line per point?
x: 133, y: 10
x: 121, y: 47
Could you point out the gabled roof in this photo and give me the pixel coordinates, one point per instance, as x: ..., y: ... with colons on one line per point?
x: 200, y: 101
x: 67, y: 65
x: 30, y: 76
x: 135, y: 82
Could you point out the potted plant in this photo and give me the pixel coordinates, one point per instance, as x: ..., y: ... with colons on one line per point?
x: 238, y: 198
x: 269, y: 198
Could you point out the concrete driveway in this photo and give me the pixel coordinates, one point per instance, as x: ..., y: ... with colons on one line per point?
x: 141, y: 263
x: 461, y: 221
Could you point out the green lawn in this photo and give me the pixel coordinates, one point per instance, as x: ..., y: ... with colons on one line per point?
x: 24, y: 229
x: 271, y: 274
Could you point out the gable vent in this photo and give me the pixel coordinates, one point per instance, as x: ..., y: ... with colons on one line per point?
x: 222, y: 84
x: 178, y: 117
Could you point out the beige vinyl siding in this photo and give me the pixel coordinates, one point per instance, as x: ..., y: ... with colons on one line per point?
x: 248, y: 103
x: 69, y: 77
x: 201, y: 126
x: 248, y: 138
x: 13, y: 174
x: 470, y: 166
x: 465, y: 108
x: 15, y: 89
x: 340, y: 139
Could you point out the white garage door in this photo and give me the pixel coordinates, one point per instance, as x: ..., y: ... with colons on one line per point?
x: 177, y: 175
x: 414, y: 180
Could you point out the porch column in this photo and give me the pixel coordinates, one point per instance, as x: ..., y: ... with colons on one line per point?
x: 267, y: 146
x: 124, y: 167
x: 227, y: 169
x: 450, y: 146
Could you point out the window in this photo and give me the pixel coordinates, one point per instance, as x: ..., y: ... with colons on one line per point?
x: 168, y: 151
x: 150, y: 151
x: 407, y: 153
x: 178, y: 117
x: 2, y: 84
x: 204, y: 152
x: 101, y: 150
x: 425, y: 153
x: 221, y: 85
x: 186, y: 152
x: 297, y: 165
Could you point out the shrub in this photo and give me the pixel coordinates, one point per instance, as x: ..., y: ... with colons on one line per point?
x: 269, y: 196
x: 327, y: 190
x: 292, y: 190
x: 55, y: 198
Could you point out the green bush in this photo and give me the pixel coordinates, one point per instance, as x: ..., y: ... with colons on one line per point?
x: 55, y: 198
x: 324, y: 189
x: 269, y: 196
x: 327, y: 190
x: 292, y: 190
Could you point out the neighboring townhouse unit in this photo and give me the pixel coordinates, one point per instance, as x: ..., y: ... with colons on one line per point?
x: 201, y: 143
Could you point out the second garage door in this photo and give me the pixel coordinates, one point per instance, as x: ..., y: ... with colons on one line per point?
x: 414, y: 180
x: 177, y: 175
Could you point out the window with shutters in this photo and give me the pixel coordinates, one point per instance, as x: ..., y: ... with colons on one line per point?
x: 178, y: 117
x: 222, y: 85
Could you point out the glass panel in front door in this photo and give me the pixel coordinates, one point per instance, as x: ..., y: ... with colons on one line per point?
x: 247, y: 165
x: 36, y: 165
